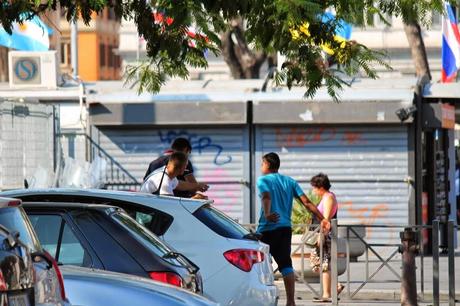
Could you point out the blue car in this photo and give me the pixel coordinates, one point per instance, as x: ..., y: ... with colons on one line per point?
x: 90, y: 287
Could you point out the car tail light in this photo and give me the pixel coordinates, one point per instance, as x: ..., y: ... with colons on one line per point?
x: 58, y: 274
x: 9, y: 202
x: 14, y: 203
x: 167, y: 277
x: 244, y: 259
x: 3, y: 286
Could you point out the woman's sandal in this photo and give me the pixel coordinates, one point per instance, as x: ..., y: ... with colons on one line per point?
x: 317, y: 299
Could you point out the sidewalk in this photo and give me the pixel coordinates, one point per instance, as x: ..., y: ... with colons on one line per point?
x: 364, y: 297
x: 385, y: 290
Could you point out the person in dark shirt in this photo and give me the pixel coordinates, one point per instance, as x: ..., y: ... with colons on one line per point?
x: 179, y: 145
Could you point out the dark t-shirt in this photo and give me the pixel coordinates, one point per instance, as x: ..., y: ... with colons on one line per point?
x: 162, y: 161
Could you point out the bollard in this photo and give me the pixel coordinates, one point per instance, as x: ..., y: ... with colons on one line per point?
x: 408, y: 282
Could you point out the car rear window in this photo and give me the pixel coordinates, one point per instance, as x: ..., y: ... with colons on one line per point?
x: 220, y: 223
x: 146, y: 237
x: 15, y: 219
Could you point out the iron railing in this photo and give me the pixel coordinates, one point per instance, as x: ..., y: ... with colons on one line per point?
x: 383, y: 261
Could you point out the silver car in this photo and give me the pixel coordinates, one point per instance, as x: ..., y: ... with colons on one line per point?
x: 48, y: 286
x: 16, y: 270
x: 91, y: 287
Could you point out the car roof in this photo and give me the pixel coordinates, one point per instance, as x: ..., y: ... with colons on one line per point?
x: 190, y: 204
x: 71, y: 205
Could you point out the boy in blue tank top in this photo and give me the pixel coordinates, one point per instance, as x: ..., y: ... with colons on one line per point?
x: 277, y: 193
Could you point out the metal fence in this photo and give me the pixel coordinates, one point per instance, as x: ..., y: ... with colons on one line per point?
x: 383, y: 261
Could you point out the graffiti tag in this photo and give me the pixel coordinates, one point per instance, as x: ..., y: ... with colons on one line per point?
x: 199, y: 144
x: 300, y: 137
x: 366, y: 215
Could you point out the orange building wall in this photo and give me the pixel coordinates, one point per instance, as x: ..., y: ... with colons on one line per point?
x: 101, y: 35
x: 88, y: 56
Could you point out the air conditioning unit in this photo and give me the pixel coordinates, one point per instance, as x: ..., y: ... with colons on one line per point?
x: 28, y: 69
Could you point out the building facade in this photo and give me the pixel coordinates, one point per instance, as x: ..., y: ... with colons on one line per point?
x: 96, y: 44
x: 366, y: 153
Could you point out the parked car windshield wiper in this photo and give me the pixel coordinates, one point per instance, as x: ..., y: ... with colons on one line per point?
x: 191, y: 266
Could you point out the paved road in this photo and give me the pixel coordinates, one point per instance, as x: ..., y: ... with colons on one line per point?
x: 385, y: 288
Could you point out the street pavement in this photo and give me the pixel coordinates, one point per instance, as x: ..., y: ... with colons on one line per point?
x: 385, y: 286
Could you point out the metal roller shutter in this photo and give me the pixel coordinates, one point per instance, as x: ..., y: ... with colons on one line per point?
x: 367, y: 166
x: 220, y: 157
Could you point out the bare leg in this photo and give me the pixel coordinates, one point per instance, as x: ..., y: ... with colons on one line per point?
x: 289, y: 285
x: 327, y: 284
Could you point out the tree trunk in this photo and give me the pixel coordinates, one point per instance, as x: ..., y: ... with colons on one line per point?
x: 409, y: 279
x: 242, y: 61
x: 418, y: 51
x: 422, y: 68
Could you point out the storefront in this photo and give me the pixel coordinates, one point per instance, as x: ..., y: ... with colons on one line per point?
x: 360, y: 142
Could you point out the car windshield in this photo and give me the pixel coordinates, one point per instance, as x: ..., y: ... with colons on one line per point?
x: 147, y: 238
x: 15, y: 219
x: 220, y: 223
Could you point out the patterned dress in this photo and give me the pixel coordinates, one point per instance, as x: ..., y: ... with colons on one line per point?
x: 315, y: 256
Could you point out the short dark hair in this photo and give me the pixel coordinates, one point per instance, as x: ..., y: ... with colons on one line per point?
x: 181, y: 144
x: 179, y: 159
x: 273, y: 160
x: 320, y: 181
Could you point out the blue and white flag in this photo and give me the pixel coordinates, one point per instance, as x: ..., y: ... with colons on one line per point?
x: 31, y: 35
x: 450, y: 46
x: 343, y: 29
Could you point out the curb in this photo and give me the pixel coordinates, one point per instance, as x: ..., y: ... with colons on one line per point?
x: 371, y: 295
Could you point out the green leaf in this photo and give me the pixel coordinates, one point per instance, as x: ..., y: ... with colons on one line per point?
x: 269, y: 26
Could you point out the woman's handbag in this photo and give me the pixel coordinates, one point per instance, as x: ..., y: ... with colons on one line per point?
x: 312, y: 237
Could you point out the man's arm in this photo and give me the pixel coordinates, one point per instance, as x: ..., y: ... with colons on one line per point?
x: 190, y: 178
x: 325, y: 224
x: 266, y: 204
x: 309, y: 205
x: 188, y: 186
x: 188, y: 175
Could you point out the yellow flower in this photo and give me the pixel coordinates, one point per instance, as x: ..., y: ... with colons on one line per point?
x: 304, y: 29
x: 343, y: 41
x: 294, y: 34
x: 327, y: 48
